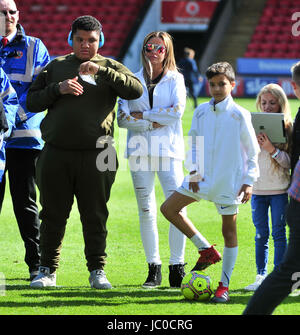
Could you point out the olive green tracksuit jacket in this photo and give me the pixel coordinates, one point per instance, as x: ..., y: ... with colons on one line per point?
x: 74, y: 130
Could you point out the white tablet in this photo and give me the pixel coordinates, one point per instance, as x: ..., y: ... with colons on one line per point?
x: 271, y: 124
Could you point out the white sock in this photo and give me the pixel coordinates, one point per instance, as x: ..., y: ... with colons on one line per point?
x: 229, y: 259
x: 200, y: 241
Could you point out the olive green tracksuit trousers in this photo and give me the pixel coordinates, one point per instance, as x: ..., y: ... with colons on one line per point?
x: 61, y: 175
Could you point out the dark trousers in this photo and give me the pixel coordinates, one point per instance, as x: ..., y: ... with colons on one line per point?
x: 20, y: 165
x: 61, y: 176
x: 193, y: 90
x: 280, y: 283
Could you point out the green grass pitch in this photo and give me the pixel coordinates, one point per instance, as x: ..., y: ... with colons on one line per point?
x: 126, y: 268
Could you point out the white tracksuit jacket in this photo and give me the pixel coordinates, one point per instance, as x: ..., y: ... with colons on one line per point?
x: 169, y: 98
x: 227, y: 152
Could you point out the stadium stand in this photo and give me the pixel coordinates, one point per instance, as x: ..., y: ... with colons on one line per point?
x: 51, y: 20
x: 272, y: 37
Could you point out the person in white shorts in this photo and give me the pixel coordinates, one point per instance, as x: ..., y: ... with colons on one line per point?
x: 223, y: 165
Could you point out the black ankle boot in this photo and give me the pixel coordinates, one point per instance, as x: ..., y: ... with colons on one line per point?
x: 176, y: 274
x: 154, y: 276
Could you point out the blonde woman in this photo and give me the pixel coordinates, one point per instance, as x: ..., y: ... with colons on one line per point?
x: 270, y: 190
x: 155, y: 147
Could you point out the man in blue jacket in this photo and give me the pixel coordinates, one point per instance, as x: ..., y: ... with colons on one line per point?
x: 8, y: 113
x: 22, y: 57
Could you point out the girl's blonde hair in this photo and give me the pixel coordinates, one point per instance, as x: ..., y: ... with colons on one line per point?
x: 169, y: 62
x: 279, y: 93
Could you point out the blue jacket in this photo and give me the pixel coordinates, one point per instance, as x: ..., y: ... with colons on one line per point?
x: 188, y: 67
x: 10, y: 103
x: 22, y: 59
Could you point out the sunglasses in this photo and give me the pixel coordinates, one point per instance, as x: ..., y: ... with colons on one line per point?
x: 149, y: 47
x: 11, y: 12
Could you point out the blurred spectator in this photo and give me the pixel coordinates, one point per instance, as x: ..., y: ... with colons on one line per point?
x: 192, y: 77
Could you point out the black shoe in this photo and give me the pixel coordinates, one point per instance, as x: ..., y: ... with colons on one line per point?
x: 154, y: 276
x: 176, y: 274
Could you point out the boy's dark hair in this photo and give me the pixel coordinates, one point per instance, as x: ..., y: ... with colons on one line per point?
x: 221, y: 68
x: 87, y: 23
x: 296, y: 73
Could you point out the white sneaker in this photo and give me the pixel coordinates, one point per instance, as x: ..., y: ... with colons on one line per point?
x: 253, y: 287
x: 44, y: 278
x: 98, y: 280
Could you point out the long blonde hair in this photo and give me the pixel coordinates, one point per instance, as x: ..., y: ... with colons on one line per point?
x: 279, y: 93
x: 169, y: 62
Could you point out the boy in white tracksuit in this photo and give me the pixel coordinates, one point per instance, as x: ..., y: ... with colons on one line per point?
x: 229, y: 156
x: 223, y: 166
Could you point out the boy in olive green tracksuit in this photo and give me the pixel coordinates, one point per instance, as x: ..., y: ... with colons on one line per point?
x: 77, y: 129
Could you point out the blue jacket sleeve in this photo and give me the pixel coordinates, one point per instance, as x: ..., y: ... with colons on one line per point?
x: 40, y: 59
x: 3, y: 121
x: 9, y: 100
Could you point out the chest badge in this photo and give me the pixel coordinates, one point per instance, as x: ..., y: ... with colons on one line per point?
x: 19, y: 54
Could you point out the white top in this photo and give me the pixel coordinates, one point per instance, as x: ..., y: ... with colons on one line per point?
x: 272, y: 180
x: 169, y: 99
x: 224, y: 150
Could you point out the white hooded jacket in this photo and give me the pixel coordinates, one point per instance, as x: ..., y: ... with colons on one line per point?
x: 169, y: 99
x: 224, y: 150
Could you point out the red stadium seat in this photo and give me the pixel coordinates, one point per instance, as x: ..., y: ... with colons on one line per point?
x: 272, y: 3
x: 285, y: 3
x: 262, y: 28
x: 265, y: 19
x: 258, y: 37
x: 280, y: 46
x: 264, y: 54
x: 268, y: 46
x: 273, y: 34
x: 284, y: 12
x: 273, y: 38
x: 274, y: 29
x: 268, y: 11
x: 250, y: 54
x: 51, y: 20
x: 278, y: 54
x: 254, y: 46
x: 292, y: 54
x: 278, y: 20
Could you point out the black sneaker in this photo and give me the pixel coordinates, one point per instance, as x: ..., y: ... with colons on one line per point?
x: 176, y: 274
x: 154, y: 276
